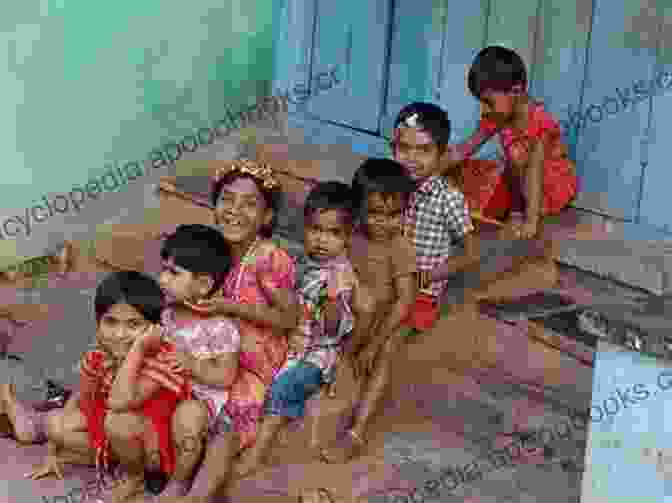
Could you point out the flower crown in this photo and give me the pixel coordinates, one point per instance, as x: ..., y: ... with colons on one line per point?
x: 259, y: 171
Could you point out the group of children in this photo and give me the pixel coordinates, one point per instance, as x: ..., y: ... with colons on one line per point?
x: 193, y: 376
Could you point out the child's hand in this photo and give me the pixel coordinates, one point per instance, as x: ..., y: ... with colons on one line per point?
x: 527, y: 230
x: 298, y: 343
x: 181, y: 361
x: 424, y: 279
x: 150, y: 341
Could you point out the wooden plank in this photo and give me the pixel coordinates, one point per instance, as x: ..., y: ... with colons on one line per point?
x: 293, y: 48
x: 614, y: 116
x: 655, y: 200
x: 560, y: 59
x: 348, y: 68
x: 514, y: 27
x: 465, y: 36
x: 418, y: 30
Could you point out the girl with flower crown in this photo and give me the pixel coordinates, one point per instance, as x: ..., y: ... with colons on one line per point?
x: 259, y: 291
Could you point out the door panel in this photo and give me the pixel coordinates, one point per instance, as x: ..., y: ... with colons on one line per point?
x: 512, y: 27
x: 349, y: 60
x: 656, y: 203
x: 465, y: 36
x: 560, y: 60
x: 614, y: 117
x: 415, y: 56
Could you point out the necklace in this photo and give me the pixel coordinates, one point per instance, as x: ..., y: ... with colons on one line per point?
x: 241, y: 268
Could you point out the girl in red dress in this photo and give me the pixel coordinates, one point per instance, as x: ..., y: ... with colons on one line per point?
x: 537, y: 178
x: 129, y: 343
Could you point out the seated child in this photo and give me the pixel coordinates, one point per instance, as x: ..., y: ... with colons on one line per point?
x: 436, y: 219
x: 385, y: 264
x: 129, y: 351
x: 325, y: 293
x: 538, y: 179
x: 196, y: 260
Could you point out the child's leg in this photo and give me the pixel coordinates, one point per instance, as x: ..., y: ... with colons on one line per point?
x: 126, y: 432
x: 190, y: 430
x: 27, y: 424
x: 215, y: 472
x: 364, y: 307
x: 374, y: 388
x: 69, y: 433
x: 286, y: 401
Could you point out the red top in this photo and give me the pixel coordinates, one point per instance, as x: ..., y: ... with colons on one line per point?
x: 560, y: 182
x: 159, y: 408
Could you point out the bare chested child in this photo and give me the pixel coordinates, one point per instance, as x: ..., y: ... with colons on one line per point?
x: 325, y: 295
x: 385, y: 265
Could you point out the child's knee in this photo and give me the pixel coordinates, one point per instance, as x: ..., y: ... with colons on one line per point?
x: 54, y: 426
x: 191, y: 418
x: 364, y: 303
x: 124, y: 425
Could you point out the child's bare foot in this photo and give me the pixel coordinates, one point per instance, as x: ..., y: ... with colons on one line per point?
x: 131, y: 487
x: 343, y: 449
x: 248, y: 464
x: 320, y: 495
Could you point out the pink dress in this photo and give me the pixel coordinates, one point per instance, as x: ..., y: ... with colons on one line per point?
x: 263, y: 350
x: 242, y: 402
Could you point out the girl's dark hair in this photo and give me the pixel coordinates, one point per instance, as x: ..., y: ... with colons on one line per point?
x: 200, y: 250
x: 272, y: 198
x: 430, y: 118
x: 329, y: 196
x: 133, y: 288
x: 379, y: 175
x: 496, y: 68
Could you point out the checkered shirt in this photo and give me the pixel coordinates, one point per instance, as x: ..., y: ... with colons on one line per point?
x: 436, y: 220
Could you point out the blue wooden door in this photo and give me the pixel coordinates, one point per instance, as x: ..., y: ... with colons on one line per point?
x: 415, y: 56
x: 465, y: 36
x: 560, y: 59
x: 512, y: 25
x: 337, y: 53
x: 614, y: 117
x: 656, y: 201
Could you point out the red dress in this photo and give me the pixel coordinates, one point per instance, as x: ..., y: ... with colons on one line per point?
x: 486, y: 188
x: 159, y: 408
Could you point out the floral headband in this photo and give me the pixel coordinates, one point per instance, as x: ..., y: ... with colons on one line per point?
x: 259, y: 171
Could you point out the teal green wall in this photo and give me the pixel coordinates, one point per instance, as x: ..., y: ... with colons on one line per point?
x: 88, y: 83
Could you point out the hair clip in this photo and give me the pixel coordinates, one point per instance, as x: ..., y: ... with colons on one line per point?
x: 412, y: 121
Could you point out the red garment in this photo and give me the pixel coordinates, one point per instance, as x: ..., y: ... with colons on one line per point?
x: 96, y: 383
x: 483, y: 181
x: 423, y: 314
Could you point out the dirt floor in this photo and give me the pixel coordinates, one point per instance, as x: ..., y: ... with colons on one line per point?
x: 452, y: 389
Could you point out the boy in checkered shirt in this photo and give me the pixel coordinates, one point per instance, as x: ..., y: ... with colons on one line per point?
x: 437, y: 219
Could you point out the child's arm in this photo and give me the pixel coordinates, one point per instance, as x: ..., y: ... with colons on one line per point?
x: 219, y: 372
x: 129, y: 390
x: 282, y: 314
x: 534, y: 188
x: 406, y: 291
x: 457, y: 263
x: 455, y: 154
x: 276, y: 276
